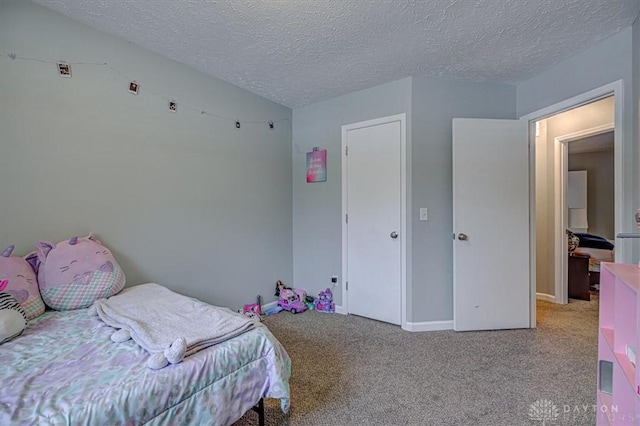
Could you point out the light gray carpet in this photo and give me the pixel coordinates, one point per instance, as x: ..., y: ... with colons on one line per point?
x: 348, y: 370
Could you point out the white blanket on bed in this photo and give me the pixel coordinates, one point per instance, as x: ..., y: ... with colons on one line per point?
x: 168, y: 325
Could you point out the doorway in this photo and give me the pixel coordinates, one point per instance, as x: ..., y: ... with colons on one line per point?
x: 528, y: 242
x: 622, y: 254
x: 563, y: 206
x: 594, y: 156
x: 374, y: 237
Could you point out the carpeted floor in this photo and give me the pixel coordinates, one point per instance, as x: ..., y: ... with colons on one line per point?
x: 348, y: 370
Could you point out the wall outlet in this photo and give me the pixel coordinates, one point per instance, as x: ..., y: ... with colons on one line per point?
x: 334, y: 279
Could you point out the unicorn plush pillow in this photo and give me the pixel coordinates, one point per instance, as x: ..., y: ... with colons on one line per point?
x: 73, y: 274
x: 22, y: 283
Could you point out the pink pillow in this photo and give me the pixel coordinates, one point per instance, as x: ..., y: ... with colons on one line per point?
x: 22, y: 282
x: 73, y: 274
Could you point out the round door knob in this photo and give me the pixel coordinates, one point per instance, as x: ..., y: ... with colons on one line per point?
x: 394, y: 235
x: 463, y: 237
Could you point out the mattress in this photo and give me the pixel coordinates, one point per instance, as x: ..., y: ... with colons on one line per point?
x: 64, y: 369
x: 596, y: 256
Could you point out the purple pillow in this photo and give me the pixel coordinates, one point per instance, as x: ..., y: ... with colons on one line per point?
x: 73, y: 274
x: 22, y: 282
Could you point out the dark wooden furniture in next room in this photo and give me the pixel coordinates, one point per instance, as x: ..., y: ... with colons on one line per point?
x: 578, y: 276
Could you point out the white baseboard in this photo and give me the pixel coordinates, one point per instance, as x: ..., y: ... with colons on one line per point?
x: 545, y: 296
x: 429, y: 326
x: 269, y: 305
x: 415, y: 326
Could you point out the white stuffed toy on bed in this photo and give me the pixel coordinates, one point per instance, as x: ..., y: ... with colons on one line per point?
x: 168, y: 325
x: 13, y: 319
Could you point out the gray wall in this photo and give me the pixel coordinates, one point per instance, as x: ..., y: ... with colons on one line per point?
x: 609, y: 61
x: 182, y: 199
x: 317, y: 207
x: 435, y: 103
x: 431, y: 104
x: 207, y: 209
x: 600, y: 200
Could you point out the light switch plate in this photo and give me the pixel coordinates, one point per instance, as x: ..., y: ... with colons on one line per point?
x: 423, y: 213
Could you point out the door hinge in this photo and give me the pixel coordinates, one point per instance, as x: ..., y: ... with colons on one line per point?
x: 346, y: 218
x: 346, y: 150
x: 347, y: 285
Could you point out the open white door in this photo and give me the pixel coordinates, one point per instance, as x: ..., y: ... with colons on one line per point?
x: 491, y: 288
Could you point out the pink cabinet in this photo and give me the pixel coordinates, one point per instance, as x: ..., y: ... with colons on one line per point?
x: 618, y: 343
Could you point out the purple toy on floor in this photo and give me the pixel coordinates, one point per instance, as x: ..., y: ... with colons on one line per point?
x: 290, y: 299
x: 324, y: 302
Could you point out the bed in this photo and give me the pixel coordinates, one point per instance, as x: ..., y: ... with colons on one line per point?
x: 599, y: 250
x: 64, y: 369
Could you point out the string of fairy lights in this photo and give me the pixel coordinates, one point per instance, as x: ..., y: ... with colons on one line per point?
x: 134, y: 88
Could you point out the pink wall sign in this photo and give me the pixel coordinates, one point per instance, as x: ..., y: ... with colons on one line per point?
x: 317, y: 166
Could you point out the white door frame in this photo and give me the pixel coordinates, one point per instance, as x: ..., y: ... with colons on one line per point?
x: 402, y: 118
x: 561, y: 162
x: 616, y: 88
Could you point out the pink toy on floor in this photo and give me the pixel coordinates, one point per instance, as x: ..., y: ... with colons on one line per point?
x: 252, y: 311
x: 253, y: 307
x: 291, y: 299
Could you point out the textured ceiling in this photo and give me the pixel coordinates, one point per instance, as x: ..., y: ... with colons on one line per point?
x: 297, y: 52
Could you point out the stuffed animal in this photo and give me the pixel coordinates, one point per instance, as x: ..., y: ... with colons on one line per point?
x: 573, y: 241
x: 73, y: 274
x: 22, y: 282
x: 324, y: 302
x: 13, y: 319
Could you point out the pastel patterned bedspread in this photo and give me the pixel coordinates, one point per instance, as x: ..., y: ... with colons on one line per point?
x: 64, y: 369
